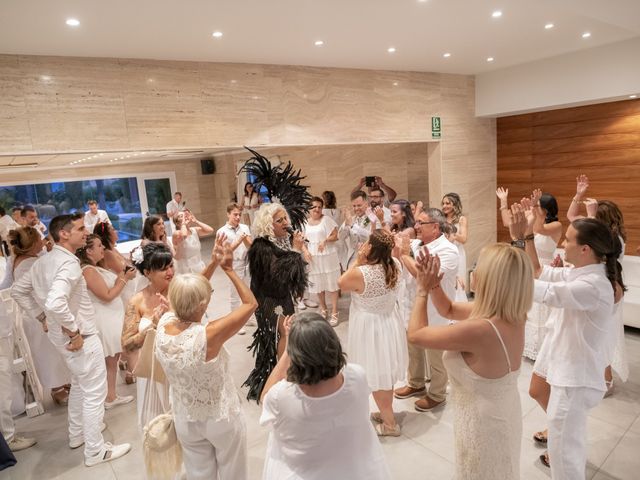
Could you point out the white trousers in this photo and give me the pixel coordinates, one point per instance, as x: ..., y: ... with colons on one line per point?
x: 7, y: 427
x: 567, y: 423
x: 214, y: 450
x: 234, y: 298
x: 88, y: 392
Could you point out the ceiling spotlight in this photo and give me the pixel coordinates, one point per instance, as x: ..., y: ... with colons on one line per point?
x: 217, y: 34
x: 549, y: 26
x: 633, y: 96
x: 586, y: 34
x: 496, y: 14
x: 395, y: 84
x: 391, y: 49
x: 446, y: 55
x: 490, y: 59
x: 318, y: 43
x: 72, y: 22
x: 45, y: 78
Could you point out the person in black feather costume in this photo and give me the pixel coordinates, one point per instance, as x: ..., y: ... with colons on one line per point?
x: 276, y: 262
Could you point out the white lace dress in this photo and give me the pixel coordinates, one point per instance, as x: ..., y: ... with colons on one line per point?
x: 377, y: 340
x: 324, y: 268
x: 200, y: 390
x: 189, y: 260
x: 540, y: 317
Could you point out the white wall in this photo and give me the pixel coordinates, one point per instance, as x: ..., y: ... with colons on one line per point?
x: 606, y: 73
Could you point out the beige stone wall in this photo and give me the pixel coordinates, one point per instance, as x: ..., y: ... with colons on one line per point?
x: 61, y: 104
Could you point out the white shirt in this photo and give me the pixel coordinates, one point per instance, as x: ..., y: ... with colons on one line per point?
x: 6, y: 324
x: 90, y: 220
x: 583, y: 335
x: 55, y: 285
x: 6, y: 225
x: 449, y: 257
x: 239, y: 254
x: 319, y: 438
x: 174, y: 207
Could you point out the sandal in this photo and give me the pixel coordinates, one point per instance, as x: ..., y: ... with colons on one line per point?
x: 60, y: 396
x: 383, y: 430
x: 323, y: 312
x: 540, y: 437
x: 333, y: 320
x: 609, y: 391
x: 544, y: 458
x: 129, y: 378
x: 375, y: 417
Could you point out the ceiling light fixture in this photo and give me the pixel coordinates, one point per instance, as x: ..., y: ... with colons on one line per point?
x: 549, y: 26
x: 318, y: 43
x: 446, y: 55
x: 490, y: 59
x: 72, y: 22
x: 217, y: 34
x: 395, y: 84
x: 586, y: 34
x: 633, y: 96
x: 391, y: 49
x: 496, y: 14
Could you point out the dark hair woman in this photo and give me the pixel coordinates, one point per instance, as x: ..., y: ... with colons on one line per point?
x: 251, y: 202
x: 153, y: 230
x: 402, y: 220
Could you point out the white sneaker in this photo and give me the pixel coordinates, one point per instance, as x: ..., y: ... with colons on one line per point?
x: 109, y: 452
x: 242, y: 331
x: 301, y: 305
x: 78, y: 442
x: 21, y: 443
x: 118, y: 401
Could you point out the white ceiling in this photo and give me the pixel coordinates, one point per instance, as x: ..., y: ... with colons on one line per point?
x: 356, y: 33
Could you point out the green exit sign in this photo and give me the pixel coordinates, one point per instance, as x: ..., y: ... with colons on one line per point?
x: 436, y: 127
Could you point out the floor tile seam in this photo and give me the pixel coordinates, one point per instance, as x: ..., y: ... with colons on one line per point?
x: 427, y: 448
x: 614, y: 447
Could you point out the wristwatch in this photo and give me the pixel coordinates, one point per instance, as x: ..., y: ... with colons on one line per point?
x: 520, y: 243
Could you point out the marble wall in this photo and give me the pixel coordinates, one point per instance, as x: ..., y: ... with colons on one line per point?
x: 62, y: 104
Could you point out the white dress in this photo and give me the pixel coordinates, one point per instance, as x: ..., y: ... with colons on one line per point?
x: 249, y: 207
x: 50, y: 367
x: 109, y: 315
x: 461, y: 294
x: 619, y: 360
x: 540, y: 317
x: 319, y: 438
x: 336, y: 215
x: 377, y: 339
x: 190, y: 258
x: 324, y: 269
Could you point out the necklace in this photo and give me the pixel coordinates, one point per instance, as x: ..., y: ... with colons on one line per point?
x: 282, y: 243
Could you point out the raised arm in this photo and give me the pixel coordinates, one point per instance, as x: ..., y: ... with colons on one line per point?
x: 505, y: 212
x: 97, y: 285
x: 582, y: 183
x: 388, y: 191
x: 280, y: 370
x: 522, y: 229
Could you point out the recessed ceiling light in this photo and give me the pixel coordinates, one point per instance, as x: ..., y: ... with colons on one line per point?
x: 318, y: 43
x: 217, y: 34
x: 586, y: 34
x: 549, y: 26
x: 45, y: 78
x: 496, y: 14
x: 490, y: 59
x: 391, y: 49
x: 446, y: 55
x: 422, y: 1
x: 72, y: 22
x: 633, y: 96
x: 395, y: 84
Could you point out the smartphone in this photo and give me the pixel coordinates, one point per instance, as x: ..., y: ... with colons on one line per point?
x: 369, y: 181
x: 128, y: 268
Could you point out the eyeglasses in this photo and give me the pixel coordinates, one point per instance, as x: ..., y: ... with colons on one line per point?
x: 418, y: 222
x: 280, y: 220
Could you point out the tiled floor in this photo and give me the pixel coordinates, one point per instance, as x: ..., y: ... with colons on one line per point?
x: 425, y: 449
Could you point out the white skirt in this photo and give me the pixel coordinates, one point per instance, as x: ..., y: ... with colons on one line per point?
x: 378, y: 343
x: 324, y: 271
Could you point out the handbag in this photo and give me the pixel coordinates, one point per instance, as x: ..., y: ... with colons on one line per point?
x: 148, y: 366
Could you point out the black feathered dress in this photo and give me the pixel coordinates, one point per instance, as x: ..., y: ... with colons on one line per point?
x: 278, y: 275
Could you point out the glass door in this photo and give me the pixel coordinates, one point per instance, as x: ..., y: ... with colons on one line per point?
x: 157, y: 190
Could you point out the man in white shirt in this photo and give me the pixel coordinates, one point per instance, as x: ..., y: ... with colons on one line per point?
x: 54, y: 291
x: 173, y: 207
x: 583, y: 335
x: 239, y: 236
x: 429, y: 227
x: 376, y: 199
x: 30, y: 218
x: 6, y: 225
x: 358, y: 224
x: 94, y: 215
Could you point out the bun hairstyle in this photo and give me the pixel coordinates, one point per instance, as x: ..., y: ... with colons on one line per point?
x: 604, y: 243
x: 23, y: 239
x: 550, y: 205
x: 382, y: 244
x: 155, y: 256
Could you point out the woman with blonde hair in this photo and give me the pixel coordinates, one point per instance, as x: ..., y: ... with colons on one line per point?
x: 376, y: 333
x: 483, y: 356
x: 452, y: 209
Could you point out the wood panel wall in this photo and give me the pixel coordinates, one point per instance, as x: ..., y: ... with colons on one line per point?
x: 548, y: 150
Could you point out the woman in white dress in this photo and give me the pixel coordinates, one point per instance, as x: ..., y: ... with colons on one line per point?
x: 186, y: 241
x: 331, y: 210
x: 153, y: 230
x: 105, y: 288
x: 206, y: 406
x: 483, y: 356
x: 324, y: 269
x: 250, y: 203
x: 452, y: 209
x: 26, y: 245
x: 316, y: 406
x: 377, y: 338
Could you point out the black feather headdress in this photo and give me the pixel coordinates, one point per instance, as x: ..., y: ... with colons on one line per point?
x: 282, y: 184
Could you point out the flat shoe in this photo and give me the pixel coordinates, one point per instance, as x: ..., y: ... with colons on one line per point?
x: 544, y: 458
x: 540, y: 437
x: 383, y: 430
x: 375, y: 417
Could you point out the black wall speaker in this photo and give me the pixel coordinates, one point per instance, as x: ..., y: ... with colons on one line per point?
x: 208, y: 166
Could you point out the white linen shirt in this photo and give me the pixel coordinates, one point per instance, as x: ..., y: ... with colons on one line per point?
x: 55, y: 285
x: 240, y: 260
x: 449, y: 258
x: 583, y: 335
x: 90, y: 220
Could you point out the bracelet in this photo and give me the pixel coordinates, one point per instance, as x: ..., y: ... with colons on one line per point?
x: 531, y: 236
x: 436, y: 287
x: 425, y: 295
